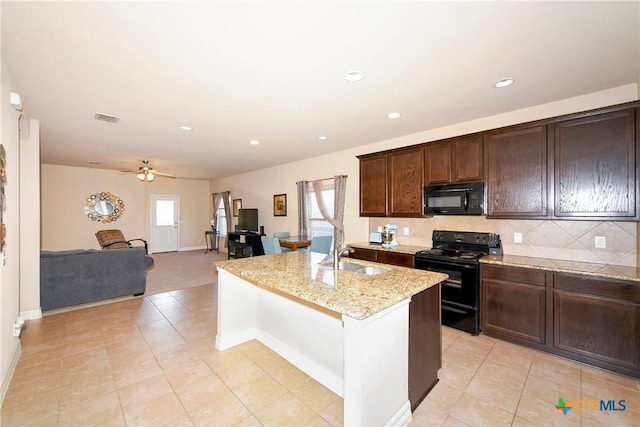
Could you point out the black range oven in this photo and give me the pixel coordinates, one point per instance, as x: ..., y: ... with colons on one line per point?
x: 457, y: 253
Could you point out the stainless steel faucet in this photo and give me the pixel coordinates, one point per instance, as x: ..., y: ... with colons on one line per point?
x: 337, y: 253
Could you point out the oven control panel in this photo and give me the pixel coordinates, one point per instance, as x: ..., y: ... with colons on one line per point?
x: 467, y: 237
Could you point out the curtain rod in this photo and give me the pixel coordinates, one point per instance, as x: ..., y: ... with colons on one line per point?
x: 325, y: 179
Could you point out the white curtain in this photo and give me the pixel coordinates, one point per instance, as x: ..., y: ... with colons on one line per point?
x: 226, y: 201
x: 225, y: 196
x: 337, y: 220
x: 216, y: 202
x: 303, y: 208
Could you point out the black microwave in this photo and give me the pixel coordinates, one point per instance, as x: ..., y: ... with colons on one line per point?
x: 454, y: 199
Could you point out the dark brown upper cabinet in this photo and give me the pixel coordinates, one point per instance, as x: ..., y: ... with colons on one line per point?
x: 578, y: 166
x: 454, y: 160
x: 373, y: 185
x: 391, y: 183
x: 517, y: 173
x: 595, y: 165
x: 406, y: 188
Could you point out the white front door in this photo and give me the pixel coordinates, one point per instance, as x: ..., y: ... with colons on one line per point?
x: 165, y: 211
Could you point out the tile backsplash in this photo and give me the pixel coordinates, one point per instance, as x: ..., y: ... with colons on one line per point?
x: 566, y: 240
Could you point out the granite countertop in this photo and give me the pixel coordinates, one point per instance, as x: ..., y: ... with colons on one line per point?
x: 300, y: 274
x: 402, y: 249
x: 609, y: 271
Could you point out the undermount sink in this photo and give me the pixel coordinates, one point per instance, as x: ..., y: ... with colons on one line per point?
x: 362, y: 269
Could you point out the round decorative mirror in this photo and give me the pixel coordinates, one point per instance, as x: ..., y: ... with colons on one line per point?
x: 104, y: 207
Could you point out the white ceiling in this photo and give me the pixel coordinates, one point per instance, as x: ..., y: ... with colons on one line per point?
x: 274, y: 71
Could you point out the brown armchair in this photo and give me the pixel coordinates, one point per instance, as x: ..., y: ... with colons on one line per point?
x: 114, y: 239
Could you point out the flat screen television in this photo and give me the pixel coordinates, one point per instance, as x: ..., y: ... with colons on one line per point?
x: 248, y: 220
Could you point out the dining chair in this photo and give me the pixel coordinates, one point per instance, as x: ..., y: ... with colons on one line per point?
x: 321, y: 244
x: 282, y: 235
x: 271, y: 245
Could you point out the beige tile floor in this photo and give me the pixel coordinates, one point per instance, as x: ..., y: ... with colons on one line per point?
x: 150, y: 361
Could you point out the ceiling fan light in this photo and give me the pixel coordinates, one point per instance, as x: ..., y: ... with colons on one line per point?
x: 150, y: 176
x: 141, y: 176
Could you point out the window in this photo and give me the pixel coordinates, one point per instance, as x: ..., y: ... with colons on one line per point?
x: 165, y: 210
x: 222, y: 219
x: 318, y: 225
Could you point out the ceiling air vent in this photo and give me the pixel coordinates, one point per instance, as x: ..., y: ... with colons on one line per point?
x: 107, y: 118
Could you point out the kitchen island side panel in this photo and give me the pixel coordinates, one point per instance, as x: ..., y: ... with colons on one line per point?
x: 364, y: 361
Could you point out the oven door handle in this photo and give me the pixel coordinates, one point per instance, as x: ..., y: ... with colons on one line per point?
x: 452, y: 283
x: 455, y: 310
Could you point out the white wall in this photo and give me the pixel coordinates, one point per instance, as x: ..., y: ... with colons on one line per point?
x: 256, y: 188
x: 65, y: 190
x: 9, y: 270
x: 29, y: 218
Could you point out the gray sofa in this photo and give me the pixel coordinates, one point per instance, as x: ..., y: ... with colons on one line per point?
x: 86, y: 275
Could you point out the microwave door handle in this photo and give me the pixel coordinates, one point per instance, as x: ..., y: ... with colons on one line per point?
x: 455, y: 190
x: 466, y: 200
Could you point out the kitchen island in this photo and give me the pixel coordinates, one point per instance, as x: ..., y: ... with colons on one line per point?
x: 346, y: 329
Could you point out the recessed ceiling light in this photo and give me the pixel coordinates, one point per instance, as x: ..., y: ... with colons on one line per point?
x: 393, y: 115
x: 93, y: 162
x: 353, y: 76
x: 504, y: 82
x: 255, y: 142
x: 185, y: 127
x: 322, y: 137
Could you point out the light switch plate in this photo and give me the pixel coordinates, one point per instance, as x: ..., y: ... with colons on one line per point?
x: 601, y: 242
x: 517, y: 237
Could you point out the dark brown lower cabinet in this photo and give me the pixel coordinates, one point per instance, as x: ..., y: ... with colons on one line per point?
x: 514, y: 309
x: 365, y: 254
x: 385, y: 257
x: 597, y: 321
x: 425, y: 344
x: 394, y: 258
x: 585, y: 318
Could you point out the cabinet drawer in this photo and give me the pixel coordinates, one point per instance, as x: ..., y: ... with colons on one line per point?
x: 365, y: 254
x: 623, y: 290
x: 513, y: 274
x: 403, y: 260
x: 385, y: 257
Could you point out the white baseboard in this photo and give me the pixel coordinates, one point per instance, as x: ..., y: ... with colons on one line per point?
x: 31, y: 314
x: 402, y: 417
x: 184, y: 249
x: 192, y: 248
x: 224, y: 342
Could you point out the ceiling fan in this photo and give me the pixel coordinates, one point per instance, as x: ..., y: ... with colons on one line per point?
x: 147, y: 173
